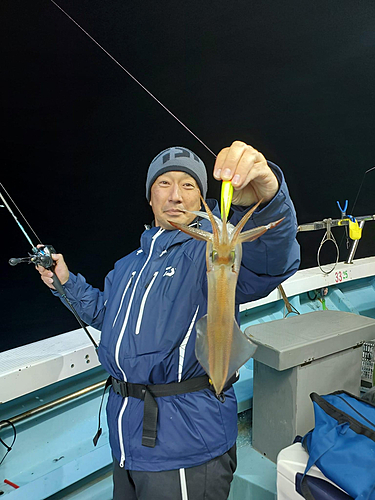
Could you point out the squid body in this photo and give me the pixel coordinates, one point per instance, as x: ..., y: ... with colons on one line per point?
x: 221, y: 347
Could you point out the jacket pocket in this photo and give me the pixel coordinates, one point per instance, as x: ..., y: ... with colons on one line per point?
x: 143, y: 303
x: 128, y: 285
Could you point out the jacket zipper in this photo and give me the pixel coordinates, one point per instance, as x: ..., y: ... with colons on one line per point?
x: 117, y: 350
x: 141, y: 309
x: 128, y: 285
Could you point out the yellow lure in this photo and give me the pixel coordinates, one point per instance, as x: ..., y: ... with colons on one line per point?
x: 226, y: 198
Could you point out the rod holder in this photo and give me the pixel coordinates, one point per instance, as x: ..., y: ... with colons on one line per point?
x: 354, y: 246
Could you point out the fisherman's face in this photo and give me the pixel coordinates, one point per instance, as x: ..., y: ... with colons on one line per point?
x: 171, y: 194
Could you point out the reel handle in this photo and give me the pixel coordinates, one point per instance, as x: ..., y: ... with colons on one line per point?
x: 14, y: 261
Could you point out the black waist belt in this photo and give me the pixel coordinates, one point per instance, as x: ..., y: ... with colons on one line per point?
x: 148, y: 393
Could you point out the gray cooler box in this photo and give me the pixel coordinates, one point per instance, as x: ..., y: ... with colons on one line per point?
x: 315, y: 352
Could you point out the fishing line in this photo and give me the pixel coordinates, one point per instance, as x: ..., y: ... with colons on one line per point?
x: 15, y: 218
x: 360, y: 187
x: 133, y: 77
x: 354, y: 204
x: 8, y: 447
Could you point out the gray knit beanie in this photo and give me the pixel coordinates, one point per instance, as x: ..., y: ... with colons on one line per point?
x: 177, y: 159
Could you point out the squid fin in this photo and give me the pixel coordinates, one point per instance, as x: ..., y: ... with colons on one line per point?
x: 242, y: 349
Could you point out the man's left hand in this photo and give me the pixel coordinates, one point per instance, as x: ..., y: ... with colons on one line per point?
x: 251, y: 177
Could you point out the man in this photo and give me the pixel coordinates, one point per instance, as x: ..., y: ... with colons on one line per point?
x: 180, y: 445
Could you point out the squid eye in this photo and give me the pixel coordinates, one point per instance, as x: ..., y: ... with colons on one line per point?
x: 233, y: 259
x: 214, y: 255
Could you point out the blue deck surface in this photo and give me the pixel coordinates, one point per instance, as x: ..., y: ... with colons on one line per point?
x: 255, y: 476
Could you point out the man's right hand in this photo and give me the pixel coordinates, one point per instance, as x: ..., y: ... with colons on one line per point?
x: 61, y: 270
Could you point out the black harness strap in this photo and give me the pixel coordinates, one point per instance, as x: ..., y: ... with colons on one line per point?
x: 148, y: 393
x: 99, y: 431
x: 150, y: 420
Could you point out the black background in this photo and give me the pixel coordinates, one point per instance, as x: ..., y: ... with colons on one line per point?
x: 295, y: 79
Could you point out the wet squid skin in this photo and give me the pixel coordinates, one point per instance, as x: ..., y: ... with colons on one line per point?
x: 221, y: 347
x: 222, y: 280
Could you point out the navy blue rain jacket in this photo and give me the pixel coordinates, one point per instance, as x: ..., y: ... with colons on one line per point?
x: 147, y: 313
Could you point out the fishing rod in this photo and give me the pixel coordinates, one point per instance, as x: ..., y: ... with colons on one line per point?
x: 41, y: 256
x: 343, y: 211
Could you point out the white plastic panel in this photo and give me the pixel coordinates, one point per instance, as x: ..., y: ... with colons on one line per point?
x: 313, y: 279
x: 33, y: 366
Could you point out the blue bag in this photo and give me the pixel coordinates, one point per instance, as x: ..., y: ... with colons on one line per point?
x: 342, y: 444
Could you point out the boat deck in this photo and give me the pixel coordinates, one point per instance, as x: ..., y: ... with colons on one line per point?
x: 54, y: 457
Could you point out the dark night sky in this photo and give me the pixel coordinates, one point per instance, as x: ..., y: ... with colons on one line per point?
x: 295, y: 79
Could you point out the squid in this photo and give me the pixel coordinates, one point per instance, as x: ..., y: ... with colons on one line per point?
x: 221, y: 347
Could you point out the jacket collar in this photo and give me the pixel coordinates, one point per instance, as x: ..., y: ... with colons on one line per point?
x: 164, y: 239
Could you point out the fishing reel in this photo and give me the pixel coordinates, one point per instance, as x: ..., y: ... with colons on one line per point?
x: 41, y: 256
